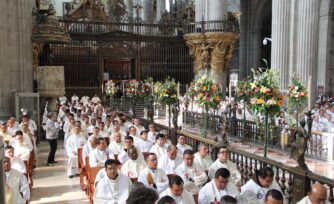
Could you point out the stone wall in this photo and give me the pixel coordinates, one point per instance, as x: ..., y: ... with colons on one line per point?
x: 15, y: 52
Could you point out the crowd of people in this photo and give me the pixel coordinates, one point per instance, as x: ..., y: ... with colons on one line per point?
x: 138, y: 164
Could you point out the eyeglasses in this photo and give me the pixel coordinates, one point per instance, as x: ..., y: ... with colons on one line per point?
x: 224, y: 152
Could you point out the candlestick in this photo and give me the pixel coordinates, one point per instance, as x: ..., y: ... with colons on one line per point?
x: 152, y: 88
x: 178, y: 89
x: 123, y: 87
x: 230, y: 91
x: 309, y: 105
x: 187, y: 88
x: 102, y: 88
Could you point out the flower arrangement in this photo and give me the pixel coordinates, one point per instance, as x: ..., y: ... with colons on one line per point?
x: 244, y: 91
x: 110, y: 88
x: 132, y: 90
x: 145, y: 87
x: 266, y: 98
x: 206, y: 93
x: 166, y: 93
x: 297, y: 94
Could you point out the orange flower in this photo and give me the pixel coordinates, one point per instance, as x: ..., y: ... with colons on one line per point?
x: 280, y: 103
x: 204, y: 88
x: 217, y: 99
x: 260, y: 101
x: 200, y: 95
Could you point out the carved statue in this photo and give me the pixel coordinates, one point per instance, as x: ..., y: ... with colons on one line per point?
x: 150, y: 109
x: 205, y: 55
x: 118, y: 10
x: 298, y: 149
x: 175, y: 111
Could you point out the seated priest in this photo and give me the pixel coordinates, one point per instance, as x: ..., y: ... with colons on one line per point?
x: 170, y: 161
x: 142, y: 143
x: 159, y: 147
x: 4, y: 133
x: 17, y: 181
x: 192, y: 174
x: 116, y: 145
x: 223, y: 161
x: 202, y: 158
x: 138, y: 126
x: 26, y: 140
x: 151, y: 133
x: 16, y: 162
x: 318, y: 194
x: 113, y: 188
x: 273, y: 196
x: 177, y: 191
x: 99, y: 155
x: 74, y: 142
x: 261, y: 182
x: 181, y: 144
x: 152, y: 176
x: 123, y: 156
x: 217, y: 188
x: 134, y: 165
x: 88, y: 148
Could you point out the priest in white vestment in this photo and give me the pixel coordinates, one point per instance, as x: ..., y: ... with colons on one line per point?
x: 138, y: 126
x: 318, y: 194
x: 224, y: 162
x: 113, y: 188
x: 152, y: 176
x: 159, y: 148
x: 6, y: 136
x: 134, y: 165
x: 151, y: 133
x: 181, y: 144
x: 100, y: 154
x: 16, y: 162
x: 123, y: 156
x: 193, y: 175
x: 18, y: 182
x: 217, y: 188
x: 88, y: 148
x: 142, y: 143
x: 74, y: 142
x: 22, y: 150
x: 261, y: 182
x: 177, y: 191
x: 170, y: 161
x: 25, y: 139
x: 202, y: 158
x: 116, y: 145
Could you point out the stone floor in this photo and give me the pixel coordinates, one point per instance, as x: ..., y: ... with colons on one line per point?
x: 51, y: 184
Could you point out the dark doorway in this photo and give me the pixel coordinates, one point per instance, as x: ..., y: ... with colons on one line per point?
x: 119, y: 69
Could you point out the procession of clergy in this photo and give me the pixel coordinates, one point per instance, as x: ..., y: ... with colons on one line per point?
x: 136, y: 161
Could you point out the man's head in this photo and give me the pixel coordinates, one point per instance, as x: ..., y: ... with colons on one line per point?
x: 117, y: 137
x: 92, y: 141
x: 223, y: 154
x: 96, y: 131
x: 9, y: 151
x: 19, y: 136
x: 136, y: 121
x: 6, y: 164
x: 203, y: 150
x: 172, y: 152
x: 188, y: 157
x: 3, y: 128
x: 93, y: 121
x: 181, y: 139
x: 318, y: 194
x: 101, y: 144
x: 143, y: 196
x: 101, y: 126
x: 111, y: 168
x: 227, y: 199
x: 152, y: 161
x: 221, y: 178
x: 166, y: 200
x: 151, y: 128
x: 133, y: 130
x: 132, y: 153
x: 128, y: 142
x: 160, y: 139
x: 143, y: 134
x: 265, y: 176
x: 273, y: 196
x: 176, y: 185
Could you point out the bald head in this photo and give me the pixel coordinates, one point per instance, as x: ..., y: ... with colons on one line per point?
x: 318, y: 193
x: 172, y: 152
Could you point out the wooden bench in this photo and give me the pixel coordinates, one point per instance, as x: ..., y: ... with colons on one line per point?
x: 91, y: 175
x: 82, y: 169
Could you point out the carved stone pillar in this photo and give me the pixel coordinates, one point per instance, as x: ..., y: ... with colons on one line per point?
x: 212, y: 53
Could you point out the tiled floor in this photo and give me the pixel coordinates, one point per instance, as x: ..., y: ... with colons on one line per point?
x: 51, y: 184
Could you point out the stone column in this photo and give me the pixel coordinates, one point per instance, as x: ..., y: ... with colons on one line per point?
x: 307, y: 42
x: 200, y: 10
x: 215, y: 11
x: 161, y: 7
x: 147, y: 13
x: 129, y: 8
x: 280, y: 39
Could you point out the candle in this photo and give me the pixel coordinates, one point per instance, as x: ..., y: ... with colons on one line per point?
x: 152, y: 88
x: 102, y: 88
x: 187, y: 88
x: 123, y: 86
x: 178, y: 89
x: 230, y: 91
x: 309, y: 103
x: 136, y: 85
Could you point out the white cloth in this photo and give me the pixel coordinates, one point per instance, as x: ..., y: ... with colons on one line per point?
x: 72, y: 145
x: 139, y: 128
x: 123, y: 156
x: 205, y: 162
x: 259, y: 191
x: 132, y: 168
x: 22, y: 151
x: 210, y: 193
x: 18, y: 164
x: 19, y: 183
x: 232, y: 167
x: 182, y: 148
x: 86, y: 150
x: 26, y: 140
x: 112, y: 191
x: 169, y: 165
x: 159, y: 178
x: 115, y: 148
x: 151, y: 136
x: 159, y: 151
x: 98, y: 157
x: 143, y: 145
x: 193, y: 177
x: 185, y: 198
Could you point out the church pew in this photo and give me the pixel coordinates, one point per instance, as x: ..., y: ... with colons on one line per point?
x: 82, y: 168
x: 26, y: 163
x: 91, y: 174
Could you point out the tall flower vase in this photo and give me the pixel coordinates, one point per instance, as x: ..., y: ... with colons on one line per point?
x: 204, y: 130
x: 133, y: 106
x: 266, y: 136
